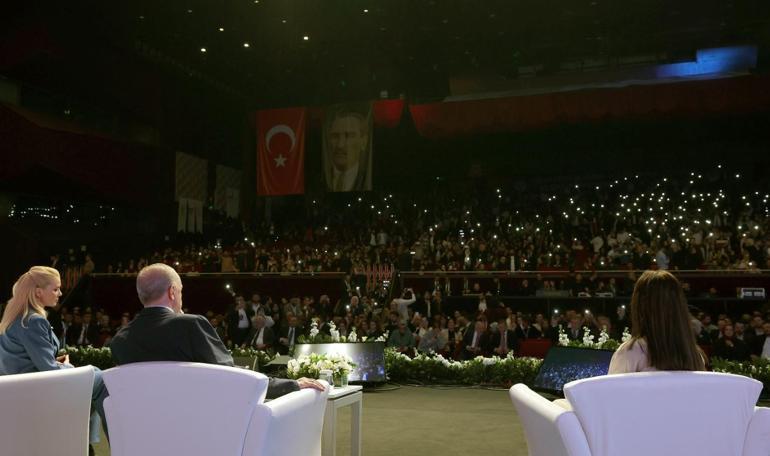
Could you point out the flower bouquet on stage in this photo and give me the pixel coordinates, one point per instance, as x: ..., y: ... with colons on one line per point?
x: 313, y: 365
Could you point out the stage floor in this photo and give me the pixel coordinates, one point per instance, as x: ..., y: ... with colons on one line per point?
x: 425, y: 421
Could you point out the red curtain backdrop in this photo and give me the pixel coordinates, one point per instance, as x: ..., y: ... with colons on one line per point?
x: 387, y: 114
x: 281, y: 151
x: 739, y: 94
x: 100, y: 166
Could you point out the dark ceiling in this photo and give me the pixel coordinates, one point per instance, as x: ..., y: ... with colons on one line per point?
x: 357, y: 48
x: 145, y: 58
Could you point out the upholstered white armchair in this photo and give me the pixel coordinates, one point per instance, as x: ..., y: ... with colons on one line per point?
x: 46, y: 412
x: 164, y: 408
x: 683, y: 413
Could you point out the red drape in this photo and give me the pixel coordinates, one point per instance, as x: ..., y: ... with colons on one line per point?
x: 387, y: 114
x: 112, y: 168
x: 739, y: 94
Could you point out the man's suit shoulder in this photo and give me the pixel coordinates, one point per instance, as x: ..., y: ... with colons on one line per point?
x: 188, y: 320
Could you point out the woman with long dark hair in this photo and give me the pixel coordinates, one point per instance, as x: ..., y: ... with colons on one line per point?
x: 661, y: 335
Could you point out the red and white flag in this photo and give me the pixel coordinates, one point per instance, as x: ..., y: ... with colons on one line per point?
x: 281, y: 151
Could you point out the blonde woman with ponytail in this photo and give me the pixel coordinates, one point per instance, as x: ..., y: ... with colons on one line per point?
x: 27, y: 341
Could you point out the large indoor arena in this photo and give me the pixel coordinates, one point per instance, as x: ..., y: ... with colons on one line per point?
x: 377, y: 227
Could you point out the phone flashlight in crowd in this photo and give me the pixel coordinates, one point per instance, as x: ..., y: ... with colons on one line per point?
x: 347, y: 306
x: 556, y: 311
x: 227, y: 286
x: 587, y: 311
x: 623, y: 307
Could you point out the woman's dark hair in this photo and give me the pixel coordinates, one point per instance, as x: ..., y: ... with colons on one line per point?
x: 659, y: 315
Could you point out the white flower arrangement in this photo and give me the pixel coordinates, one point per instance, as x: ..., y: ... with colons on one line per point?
x: 334, y: 332
x: 383, y: 337
x: 490, y: 361
x: 449, y: 363
x: 353, y: 337
x: 603, y: 337
x: 588, y: 338
x: 314, y: 329
x: 626, y: 335
x: 311, y: 365
x: 563, y: 337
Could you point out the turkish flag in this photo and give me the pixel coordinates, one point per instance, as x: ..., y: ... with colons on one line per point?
x: 281, y: 151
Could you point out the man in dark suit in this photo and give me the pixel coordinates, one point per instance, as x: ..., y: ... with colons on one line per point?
x: 524, y: 330
x: 260, y: 336
x: 575, y: 329
x: 760, y: 344
x: 83, y: 332
x: 162, y: 332
x: 503, y: 341
x: 476, y: 341
x: 289, y: 335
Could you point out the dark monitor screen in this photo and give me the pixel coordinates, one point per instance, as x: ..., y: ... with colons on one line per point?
x: 565, y: 364
x: 368, y: 356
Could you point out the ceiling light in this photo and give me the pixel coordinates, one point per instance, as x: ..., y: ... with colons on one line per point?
x: 221, y: 29
x: 189, y: 11
x: 245, y: 45
x: 284, y: 21
x: 366, y: 11
x: 305, y: 37
x: 203, y: 49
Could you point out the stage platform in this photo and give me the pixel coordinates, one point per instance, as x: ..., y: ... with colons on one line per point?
x: 426, y: 421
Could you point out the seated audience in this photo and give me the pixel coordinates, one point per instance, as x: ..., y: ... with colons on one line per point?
x: 260, y: 337
x: 402, y: 339
x: 730, y: 347
x: 503, y: 341
x: 476, y: 341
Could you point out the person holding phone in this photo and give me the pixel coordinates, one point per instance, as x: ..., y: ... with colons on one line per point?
x: 27, y: 341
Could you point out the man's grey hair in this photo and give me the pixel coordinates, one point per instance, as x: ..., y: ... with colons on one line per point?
x: 154, y: 280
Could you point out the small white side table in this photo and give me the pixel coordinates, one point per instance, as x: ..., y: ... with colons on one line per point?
x: 351, y: 395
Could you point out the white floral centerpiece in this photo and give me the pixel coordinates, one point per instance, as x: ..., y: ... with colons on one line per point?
x: 603, y: 337
x: 314, y: 329
x: 626, y: 335
x: 353, y: 337
x: 311, y: 365
x: 334, y: 332
x: 588, y: 338
x: 604, y: 342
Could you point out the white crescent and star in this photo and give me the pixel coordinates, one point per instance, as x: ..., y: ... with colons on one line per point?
x: 280, y: 160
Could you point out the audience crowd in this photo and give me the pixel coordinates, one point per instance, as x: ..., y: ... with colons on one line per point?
x: 637, y: 222
x: 686, y: 222
x: 418, y: 322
